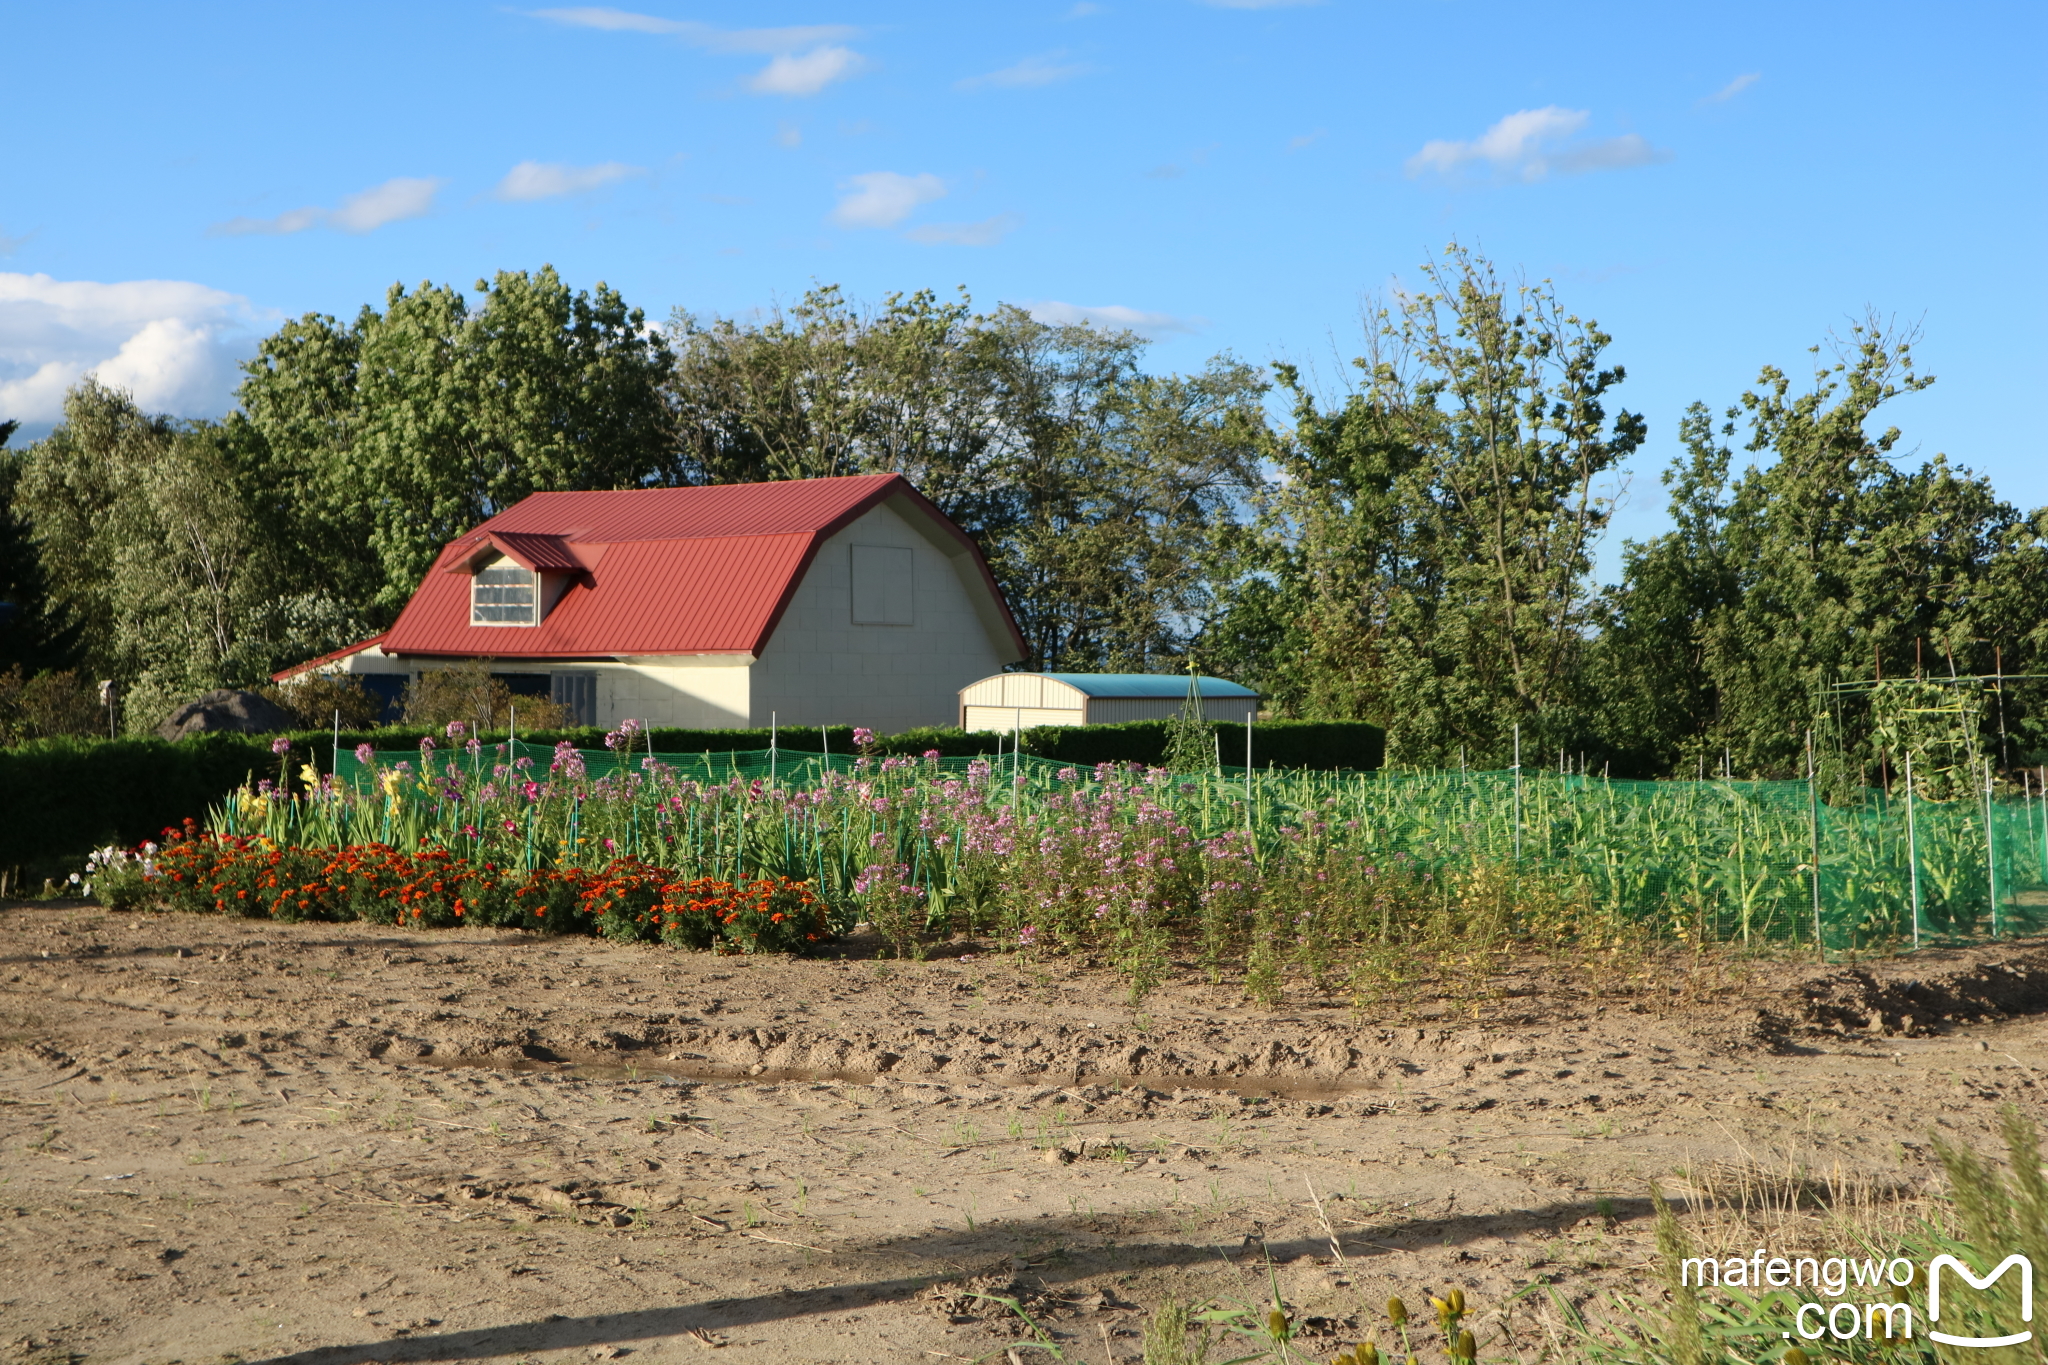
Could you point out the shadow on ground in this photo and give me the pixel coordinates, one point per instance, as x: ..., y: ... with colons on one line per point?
x: 713, y: 1315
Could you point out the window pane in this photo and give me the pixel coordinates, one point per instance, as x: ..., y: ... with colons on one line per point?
x: 503, y: 595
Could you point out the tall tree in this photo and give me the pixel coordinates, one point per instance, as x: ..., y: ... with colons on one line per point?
x: 1658, y: 702
x: 153, y: 540
x: 1440, y: 522
x: 399, y: 432
x: 1097, y: 491
x: 1825, y: 564
x: 34, y: 636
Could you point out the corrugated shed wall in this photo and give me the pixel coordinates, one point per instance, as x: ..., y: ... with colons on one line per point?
x: 1110, y: 710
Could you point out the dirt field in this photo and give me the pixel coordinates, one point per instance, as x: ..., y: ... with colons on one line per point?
x: 227, y: 1140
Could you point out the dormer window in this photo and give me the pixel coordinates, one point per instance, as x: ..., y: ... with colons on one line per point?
x: 503, y: 594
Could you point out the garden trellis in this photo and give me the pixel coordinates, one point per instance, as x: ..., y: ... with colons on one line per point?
x: 1741, y: 861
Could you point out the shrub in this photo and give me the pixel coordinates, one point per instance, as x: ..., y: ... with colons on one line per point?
x: 314, y: 699
x: 48, y: 705
x: 468, y: 693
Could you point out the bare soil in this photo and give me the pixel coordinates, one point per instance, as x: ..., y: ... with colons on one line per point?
x: 336, y: 1144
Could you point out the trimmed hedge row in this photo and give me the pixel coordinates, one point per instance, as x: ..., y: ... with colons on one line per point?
x: 1339, y: 744
x: 65, y: 797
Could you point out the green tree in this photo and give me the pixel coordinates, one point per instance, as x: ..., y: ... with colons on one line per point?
x: 1438, y: 525
x: 1658, y: 703
x: 1826, y: 563
x: 390, y: 437
x: 153, y: 541
x: 1098, y: 492
x: 33, y: 636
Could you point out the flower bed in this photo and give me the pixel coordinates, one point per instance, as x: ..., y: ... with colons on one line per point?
x: 626, y: 900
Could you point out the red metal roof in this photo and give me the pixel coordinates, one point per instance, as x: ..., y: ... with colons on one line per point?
x: 358, y: 647
x: 527, y: 549
x: 659, y: 570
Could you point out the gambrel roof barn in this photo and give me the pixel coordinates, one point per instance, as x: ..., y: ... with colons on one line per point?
x: 822, y: 601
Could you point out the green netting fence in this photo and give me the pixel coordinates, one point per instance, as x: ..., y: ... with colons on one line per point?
x: 1728, y: 860
x: 789, y: 767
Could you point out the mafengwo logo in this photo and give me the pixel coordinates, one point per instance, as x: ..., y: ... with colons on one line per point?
x: 2013, y: 1262
x: 1847, y: 1319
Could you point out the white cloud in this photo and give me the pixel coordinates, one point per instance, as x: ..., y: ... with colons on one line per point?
x: 806, y: 73
x: 391, y: 202
x: 1733, y: 88
x: 10, y: 245
x: 1086, y: 9
x: 789, y: 135
x: 1028, y: 74
x: 769, y: 41
x: 531, y: 180
x: 174, y: 344
x: 987, y: 232
x: 1525, y: 145
x: 805, y: 58
x: 1112, y: 315
x: 882, y: 199
x: 1608, y: 154
x: 298, y: 220
x: 364, y: 211
x: 1295, y: 144
x: 613, y: 20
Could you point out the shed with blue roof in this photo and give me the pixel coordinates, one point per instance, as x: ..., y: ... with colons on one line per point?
x: 1008, y: 700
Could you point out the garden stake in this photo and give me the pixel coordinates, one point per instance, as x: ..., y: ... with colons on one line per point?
x: 1990, y: 849
x: 1912, y: 849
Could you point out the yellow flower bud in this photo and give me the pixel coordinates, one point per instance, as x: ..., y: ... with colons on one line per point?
x: 1468, y: 1346
x: 1368, y: 1354
x: 1397, y: 1310
x: 1276, y: 1324
x: 1457, y: 1300
x: 1795, y: 1356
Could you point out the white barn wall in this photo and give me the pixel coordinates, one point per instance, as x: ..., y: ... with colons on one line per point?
x: 693, y: 692
x: 819, y: 668
x: 714, y: 694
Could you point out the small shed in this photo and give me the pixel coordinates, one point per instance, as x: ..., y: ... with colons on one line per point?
x: 1008, y: 700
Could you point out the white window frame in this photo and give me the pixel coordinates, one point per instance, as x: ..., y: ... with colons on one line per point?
x: 529, y: 579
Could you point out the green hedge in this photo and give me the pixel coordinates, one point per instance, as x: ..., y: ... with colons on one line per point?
x: 1275, y: 743
x: 66, y: 797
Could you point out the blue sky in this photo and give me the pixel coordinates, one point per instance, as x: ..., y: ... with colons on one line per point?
x: 1719, y: 185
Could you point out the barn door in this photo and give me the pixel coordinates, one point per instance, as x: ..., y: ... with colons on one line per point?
x: 577, y: 692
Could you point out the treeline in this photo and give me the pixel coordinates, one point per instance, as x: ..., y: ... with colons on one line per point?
x: 1416, y: 552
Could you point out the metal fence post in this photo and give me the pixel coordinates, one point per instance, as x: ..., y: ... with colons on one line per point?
x: 1912, y: 849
